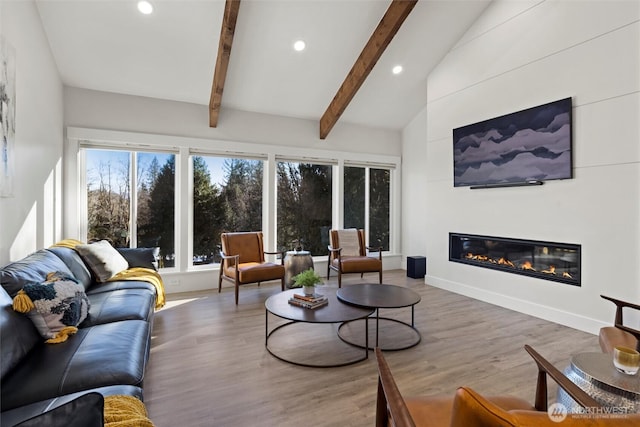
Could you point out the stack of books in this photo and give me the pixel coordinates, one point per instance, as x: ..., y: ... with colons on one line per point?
x: 308, y: 301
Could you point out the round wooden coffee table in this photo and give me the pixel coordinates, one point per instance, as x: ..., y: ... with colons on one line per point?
x: 334, y: 312
x: 377, y: 296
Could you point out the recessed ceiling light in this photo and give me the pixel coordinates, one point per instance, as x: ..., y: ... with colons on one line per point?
x: 299, y: 45
x: 145, y: 7
x: 397, y: 69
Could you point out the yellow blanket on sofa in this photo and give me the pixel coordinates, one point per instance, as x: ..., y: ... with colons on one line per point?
x: 125, y: 411
x: 137, y: 273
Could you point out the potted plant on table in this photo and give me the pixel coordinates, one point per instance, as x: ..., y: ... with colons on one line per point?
x: 307, y: 280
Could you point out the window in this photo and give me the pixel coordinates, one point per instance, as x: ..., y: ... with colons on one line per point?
x: 135, y: 189
x: 115, y: 179
x: 304, y: 206
x: 356, y: 201
x: 379, y: 213
x: 227, y: 196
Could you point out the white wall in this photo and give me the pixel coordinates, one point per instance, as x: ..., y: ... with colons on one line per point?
x: 102, y: 110
x: 32, y: 218
x: 414, y: 175
x: 519, y: 55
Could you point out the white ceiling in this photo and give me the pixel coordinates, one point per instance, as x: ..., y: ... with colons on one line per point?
x: 170, y: 54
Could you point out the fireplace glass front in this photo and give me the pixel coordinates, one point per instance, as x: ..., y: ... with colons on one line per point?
x: 559, y: 262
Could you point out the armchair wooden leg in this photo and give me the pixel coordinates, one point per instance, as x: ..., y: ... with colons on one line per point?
x: 339, y: 278
x: 237, y: 289
x: 220, y: 280
x: 282, y: 284
x: 381, y: 277
x: 328, y: 267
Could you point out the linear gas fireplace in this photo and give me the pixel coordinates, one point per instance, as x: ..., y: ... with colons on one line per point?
x: 559, y: 262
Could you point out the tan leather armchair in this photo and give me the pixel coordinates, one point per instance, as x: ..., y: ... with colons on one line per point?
x: 243, y: 261
x: 619, y: 334
x: 349, y: 254
x: 470, y: 409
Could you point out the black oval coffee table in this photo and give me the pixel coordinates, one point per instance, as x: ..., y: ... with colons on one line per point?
x: 334, y: 312
x: 377, y: 296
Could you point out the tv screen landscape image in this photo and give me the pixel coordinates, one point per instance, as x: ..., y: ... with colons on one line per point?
x: 526, y: 146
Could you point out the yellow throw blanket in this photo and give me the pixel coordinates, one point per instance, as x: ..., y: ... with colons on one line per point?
x: 125, y: 411
x: 68, y: 243
x: 144, y: 275
x: 137, y: 273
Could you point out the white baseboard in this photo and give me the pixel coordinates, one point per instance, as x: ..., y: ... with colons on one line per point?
x: 551, y: 314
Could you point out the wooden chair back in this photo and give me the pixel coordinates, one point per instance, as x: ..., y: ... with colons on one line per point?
x: 470, y: 409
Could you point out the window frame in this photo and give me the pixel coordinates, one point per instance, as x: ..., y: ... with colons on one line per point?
x: 74, y: 220
x: 132, y: 150
x: 223, y: 155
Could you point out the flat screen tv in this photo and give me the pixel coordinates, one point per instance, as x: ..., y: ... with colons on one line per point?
x: 528, y: 146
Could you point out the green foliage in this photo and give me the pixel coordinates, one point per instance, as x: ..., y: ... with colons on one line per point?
x: 354, y: 189
x: 162, y: 210
x: 306, y: 278
x: 304, y: 205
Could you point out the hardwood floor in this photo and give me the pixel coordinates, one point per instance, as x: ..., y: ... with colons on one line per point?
x: 209, y: 365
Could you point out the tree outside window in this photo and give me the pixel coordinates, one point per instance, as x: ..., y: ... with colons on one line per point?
x: 227, y: 197
x: 109, y: 176
x: 355, y: 189
x: 379, y: 213
x: 304, y: 206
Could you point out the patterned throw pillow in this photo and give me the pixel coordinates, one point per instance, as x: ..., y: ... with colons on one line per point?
x: 56, y: 307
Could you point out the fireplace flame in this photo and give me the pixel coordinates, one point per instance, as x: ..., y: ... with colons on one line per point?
x: 551, y: 270
x: 567, y: 275
x: 527, y: 266
x: 504, y: 261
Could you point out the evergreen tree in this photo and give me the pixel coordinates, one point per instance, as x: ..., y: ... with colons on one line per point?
x: 379, y: 183
x: 242, y: 195
x: 162, y: 212
x: 354, y: 188
x: 208, y: 213
x: 304, y: 205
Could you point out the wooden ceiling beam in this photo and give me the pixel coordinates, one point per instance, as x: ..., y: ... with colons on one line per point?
x: 385, y: 31
x: 227, y: 31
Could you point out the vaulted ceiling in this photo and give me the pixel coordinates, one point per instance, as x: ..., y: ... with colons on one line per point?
x: 171, y: 54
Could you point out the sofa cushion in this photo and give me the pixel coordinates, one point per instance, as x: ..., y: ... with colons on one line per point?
x: 120, y: 285
x: 103, y: 260
x: 141, y: 257
x: 17, y: 415
x: 74, y: 262
x: 56, y: 307
x: 33, y: 268
x: 18, y: 334
x: 126, y: 304
x: 86, y: 410
x: 109, y: 354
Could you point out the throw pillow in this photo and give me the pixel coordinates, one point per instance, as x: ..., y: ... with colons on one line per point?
x: 103, y: 260
x: 84, y: 411
x: 56, y: 307
x: 141, y: 257
x: 349, y: 242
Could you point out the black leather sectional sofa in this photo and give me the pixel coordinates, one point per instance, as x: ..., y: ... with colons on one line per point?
x: 108, y: 354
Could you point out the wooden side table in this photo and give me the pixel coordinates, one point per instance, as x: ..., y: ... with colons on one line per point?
x: 596, y: 375
x: 296, y: 262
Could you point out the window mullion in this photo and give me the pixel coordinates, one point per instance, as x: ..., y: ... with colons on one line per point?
x: 133, y: 209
